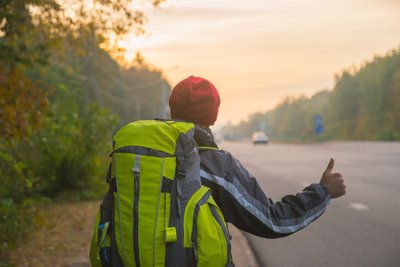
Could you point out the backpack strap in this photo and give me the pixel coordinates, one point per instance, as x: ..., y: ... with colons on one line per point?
x: 107, y: 219
x: 108, y: 175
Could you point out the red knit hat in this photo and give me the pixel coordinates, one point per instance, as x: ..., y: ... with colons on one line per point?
x: 196, y: 100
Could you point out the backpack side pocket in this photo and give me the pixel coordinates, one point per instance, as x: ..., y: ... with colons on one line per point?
x: 103, y: 251
x: 94, y: 252
x: 205, y: 234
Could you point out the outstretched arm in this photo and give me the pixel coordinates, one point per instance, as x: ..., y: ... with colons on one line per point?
x: 245, y: 205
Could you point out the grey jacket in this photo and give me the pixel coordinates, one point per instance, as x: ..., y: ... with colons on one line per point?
x: 243, y: 202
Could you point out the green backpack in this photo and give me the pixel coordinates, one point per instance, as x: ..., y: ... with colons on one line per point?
x: 156, y: 212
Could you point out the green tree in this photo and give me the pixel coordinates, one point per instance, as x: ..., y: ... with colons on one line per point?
x: 363, y: 105
x: 54, y: 84
x: 32, y: 30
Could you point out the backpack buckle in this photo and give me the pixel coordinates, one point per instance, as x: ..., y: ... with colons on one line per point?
x: 170, y: 234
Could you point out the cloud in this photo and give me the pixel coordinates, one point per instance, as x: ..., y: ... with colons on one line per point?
x: 264, y: 50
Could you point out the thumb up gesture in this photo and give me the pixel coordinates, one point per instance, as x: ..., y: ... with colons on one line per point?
x: 333, y: 182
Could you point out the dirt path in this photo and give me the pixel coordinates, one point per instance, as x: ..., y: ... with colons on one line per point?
x: 64, y: 239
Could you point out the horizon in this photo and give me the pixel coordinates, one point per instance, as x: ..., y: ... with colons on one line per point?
x: 298, y: 50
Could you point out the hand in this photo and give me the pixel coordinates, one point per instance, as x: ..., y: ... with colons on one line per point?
x: 333, y: 182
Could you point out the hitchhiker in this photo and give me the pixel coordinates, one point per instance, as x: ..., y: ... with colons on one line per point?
x: 172, y: 192
x: 242, y: 201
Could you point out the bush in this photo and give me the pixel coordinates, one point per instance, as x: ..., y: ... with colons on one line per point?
x: 14, y: 223
x: 15, y: 188
x: 67, y: 152
x: 14, y: 183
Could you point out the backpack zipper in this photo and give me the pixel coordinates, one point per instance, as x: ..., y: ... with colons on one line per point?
x: 136, y: 188
x: 136, y: 218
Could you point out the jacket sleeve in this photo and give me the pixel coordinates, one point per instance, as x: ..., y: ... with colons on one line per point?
x: 245, y: 205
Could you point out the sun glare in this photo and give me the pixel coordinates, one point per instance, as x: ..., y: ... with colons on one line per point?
x: 132, y: 45
x: 124, y: 49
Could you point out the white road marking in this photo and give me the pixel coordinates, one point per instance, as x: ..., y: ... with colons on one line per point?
x: 358, y: 206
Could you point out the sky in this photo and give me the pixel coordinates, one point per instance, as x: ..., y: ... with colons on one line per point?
x: 258, y: 52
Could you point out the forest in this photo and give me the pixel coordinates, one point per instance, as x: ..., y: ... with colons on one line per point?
x: 62, y: 96
x: 63, y: 93
x: 364, y: 104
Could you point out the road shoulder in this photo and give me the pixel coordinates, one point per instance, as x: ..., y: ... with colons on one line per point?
x: 243, y: 255
x: 63, y: 239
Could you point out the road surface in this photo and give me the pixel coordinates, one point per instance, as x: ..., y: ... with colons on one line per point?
x: 360, y: 229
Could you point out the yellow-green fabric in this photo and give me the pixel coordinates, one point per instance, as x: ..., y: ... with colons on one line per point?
x: 94, y: 253
x: 156, y: 205
x: 212, y: 244
x: 123, y: 213
x: 189, y: 214
x: 211, y: 247
x: 153, y: 207
x: 161, y: 136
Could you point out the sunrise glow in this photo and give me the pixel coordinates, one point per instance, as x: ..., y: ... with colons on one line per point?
x: 257, y: 53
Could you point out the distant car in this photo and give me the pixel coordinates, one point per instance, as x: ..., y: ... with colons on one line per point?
x: 259, y: 138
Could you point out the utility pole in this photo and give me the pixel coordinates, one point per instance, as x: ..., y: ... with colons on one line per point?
x: 164, y: 100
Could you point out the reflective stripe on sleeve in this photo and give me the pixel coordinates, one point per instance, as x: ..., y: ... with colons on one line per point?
x: 260, y: 211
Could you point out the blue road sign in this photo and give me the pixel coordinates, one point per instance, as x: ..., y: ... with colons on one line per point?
x: 318, y: 125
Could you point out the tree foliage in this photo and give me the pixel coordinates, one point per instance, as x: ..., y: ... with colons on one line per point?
x: 61, y: 99
x: 363, y: 105
x: 22, y: 104
x: 32, y: 31
x: 133, y: 93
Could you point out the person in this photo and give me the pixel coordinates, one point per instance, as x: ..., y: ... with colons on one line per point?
x: 237, y: 192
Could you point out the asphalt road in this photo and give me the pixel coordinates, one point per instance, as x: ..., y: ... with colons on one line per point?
x: 361, y: 228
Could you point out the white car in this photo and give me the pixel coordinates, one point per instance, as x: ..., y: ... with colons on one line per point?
x: 259, y: 138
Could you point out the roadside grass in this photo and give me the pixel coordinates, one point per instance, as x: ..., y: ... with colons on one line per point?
x: 19, y: 222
